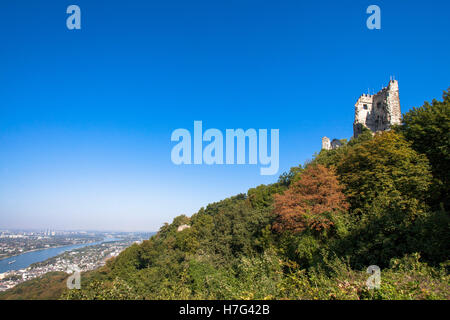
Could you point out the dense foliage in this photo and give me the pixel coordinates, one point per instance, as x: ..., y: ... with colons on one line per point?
x: 377, y: 200
x: 428, y: 128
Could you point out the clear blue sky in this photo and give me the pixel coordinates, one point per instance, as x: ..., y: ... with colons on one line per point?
x: 86, y: 116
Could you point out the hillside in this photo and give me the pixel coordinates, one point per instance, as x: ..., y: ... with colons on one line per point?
x: 377, y: 200
x: 48, y: 287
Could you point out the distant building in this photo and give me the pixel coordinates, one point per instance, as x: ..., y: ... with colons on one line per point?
x: 182, y: 227
x: 327, y: 145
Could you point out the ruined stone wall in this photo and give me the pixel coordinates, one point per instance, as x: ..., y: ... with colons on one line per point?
x: 378, y: 112
x: 394, y: 103
x: 363, y: 109
x: 335, y: 144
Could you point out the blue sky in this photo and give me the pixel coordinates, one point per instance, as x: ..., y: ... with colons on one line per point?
x: 86, y: 115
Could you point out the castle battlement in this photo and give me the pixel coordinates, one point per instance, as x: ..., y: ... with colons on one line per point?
x: 365, y: 98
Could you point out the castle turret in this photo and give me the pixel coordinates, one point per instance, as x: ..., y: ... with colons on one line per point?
x: 394, y: 103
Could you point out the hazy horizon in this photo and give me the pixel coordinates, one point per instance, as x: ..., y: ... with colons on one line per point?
x: 74, y: 230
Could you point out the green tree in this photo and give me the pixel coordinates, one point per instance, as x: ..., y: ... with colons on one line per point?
x: 428, y: 128
x: 387, y: 183
x: 385, y: 165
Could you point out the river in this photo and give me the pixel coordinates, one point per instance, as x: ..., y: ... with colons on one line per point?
x: 24, y: 260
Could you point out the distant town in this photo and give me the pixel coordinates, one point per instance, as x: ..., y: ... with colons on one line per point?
x: 17, y: 241
x: 85, y: 251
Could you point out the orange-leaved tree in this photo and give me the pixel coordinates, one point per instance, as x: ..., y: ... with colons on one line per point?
x: 312, y: 202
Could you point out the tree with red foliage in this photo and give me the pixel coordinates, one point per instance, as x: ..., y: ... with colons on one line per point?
x: 311, y: 202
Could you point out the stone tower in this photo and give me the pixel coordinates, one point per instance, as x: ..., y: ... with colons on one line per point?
x: 378, y: 112
x: 326, y: 143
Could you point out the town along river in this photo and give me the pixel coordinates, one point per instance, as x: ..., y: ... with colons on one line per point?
x: 24, y: 260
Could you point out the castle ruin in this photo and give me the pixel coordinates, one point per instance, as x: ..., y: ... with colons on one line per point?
x: 376, y: 112
x: 327, y: 145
